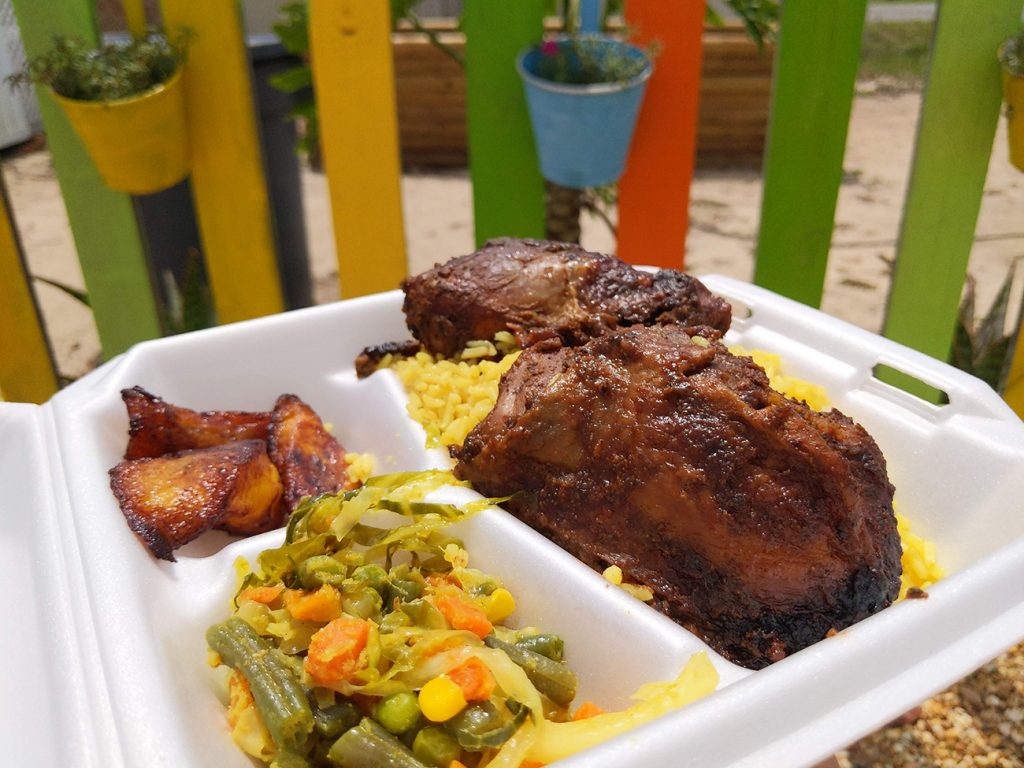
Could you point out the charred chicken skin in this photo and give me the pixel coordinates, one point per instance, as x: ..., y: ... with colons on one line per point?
x: 537, y: 289
x: 759, y: 524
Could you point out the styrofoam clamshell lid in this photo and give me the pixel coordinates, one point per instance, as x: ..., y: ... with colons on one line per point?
x: 107, y: 665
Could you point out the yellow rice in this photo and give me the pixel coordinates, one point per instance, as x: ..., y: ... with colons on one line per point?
x: 361, y: 466
x: 449, y: 397
x: 798, y: 389
x: 921, y: 566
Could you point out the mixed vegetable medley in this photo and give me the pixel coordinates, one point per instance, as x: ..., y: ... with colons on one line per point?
x: 367, y: 640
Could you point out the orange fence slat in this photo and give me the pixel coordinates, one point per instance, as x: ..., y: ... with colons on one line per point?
x: 654, y: 193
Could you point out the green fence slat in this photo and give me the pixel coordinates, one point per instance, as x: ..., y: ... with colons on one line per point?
x: 103, y: 222
x: 957, y: 126
x: 815, y: 71
x: 508, y: 191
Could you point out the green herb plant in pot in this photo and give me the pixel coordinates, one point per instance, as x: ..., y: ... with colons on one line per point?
x: 126, y: 103
x: 1011, y: 56
x: 584, y: 94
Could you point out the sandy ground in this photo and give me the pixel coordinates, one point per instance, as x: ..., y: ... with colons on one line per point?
x: 725, y: 207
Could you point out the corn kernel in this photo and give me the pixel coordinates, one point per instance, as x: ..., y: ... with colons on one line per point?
x: 639, y: 591
x: 441, y: 699
x: 500, y: 605
x: 613, y: 574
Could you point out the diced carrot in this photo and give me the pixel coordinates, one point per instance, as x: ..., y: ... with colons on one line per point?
x: 438, y: 580
x: 531, y: 764
x: 265, y: 595
x: 462, y: 614
x: 322, y: 605
x: 456, y: 764
x: 474, y: 678
x: 239, y: 697
x: 587, y: 709
x: 335, y: 650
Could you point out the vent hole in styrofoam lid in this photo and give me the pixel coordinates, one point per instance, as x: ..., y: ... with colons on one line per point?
x: 740, y: 311
x: 910, y: 385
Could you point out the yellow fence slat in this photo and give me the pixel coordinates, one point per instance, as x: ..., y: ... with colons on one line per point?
x: 228, y: 181
x: 1014, y: 390
x: 353, y: 76
x: 26, y: 366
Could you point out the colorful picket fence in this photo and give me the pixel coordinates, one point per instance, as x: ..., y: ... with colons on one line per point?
x: 353, y: 72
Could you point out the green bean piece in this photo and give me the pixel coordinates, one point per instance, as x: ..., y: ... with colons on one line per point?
x: 290, y: 760
x: 374, y: 576
x: 363, y: 602
x: 424, y: 614
x: 548, y: 645
x: 321, y: 569
x: 276, y: 690
x: 482, y: 725
x: 398, y: 712
x: 368, y: 745
x: 330, y: 722
x: 435, y: 747
x: 552, y: 678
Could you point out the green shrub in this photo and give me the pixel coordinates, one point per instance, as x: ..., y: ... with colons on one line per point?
x: 116, y: 71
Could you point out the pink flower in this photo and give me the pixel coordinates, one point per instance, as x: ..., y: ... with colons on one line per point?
x: 549, y: 48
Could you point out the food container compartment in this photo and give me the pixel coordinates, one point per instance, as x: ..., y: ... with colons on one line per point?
x: 111, y: 642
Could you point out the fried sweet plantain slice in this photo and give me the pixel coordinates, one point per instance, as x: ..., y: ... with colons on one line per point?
x: 310, y: 460
x: 156, y: 427
x: 169, y: 500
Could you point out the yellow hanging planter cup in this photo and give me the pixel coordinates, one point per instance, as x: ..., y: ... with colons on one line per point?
x: 1013, y: 94
x: 139, y: 144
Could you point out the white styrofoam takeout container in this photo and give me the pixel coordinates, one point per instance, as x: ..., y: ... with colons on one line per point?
x: 103, y: 645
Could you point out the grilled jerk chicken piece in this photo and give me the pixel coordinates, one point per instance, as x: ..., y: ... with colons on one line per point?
x: 758, y: 523
x: 537, y: 290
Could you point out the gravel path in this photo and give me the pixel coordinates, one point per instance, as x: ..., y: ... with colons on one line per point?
x: 978, y: 722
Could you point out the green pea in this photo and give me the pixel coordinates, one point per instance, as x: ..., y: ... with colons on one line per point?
x: 435, y: 747
x: 398, y: 712
x: 319, y: 570
x: 373, y: 575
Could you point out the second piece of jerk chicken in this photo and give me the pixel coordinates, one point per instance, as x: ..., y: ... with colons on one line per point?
x: 538, y: 289
x: 759, y: 524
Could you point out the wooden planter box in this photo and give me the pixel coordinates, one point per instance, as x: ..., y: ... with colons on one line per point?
x: 734, y: 100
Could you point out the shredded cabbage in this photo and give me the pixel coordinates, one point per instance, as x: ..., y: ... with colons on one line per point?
x: 555, y: 741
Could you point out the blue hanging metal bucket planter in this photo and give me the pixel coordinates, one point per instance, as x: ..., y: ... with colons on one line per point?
x: 583, y: 130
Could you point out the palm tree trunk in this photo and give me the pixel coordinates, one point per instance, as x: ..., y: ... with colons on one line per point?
x: 562, y: 216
